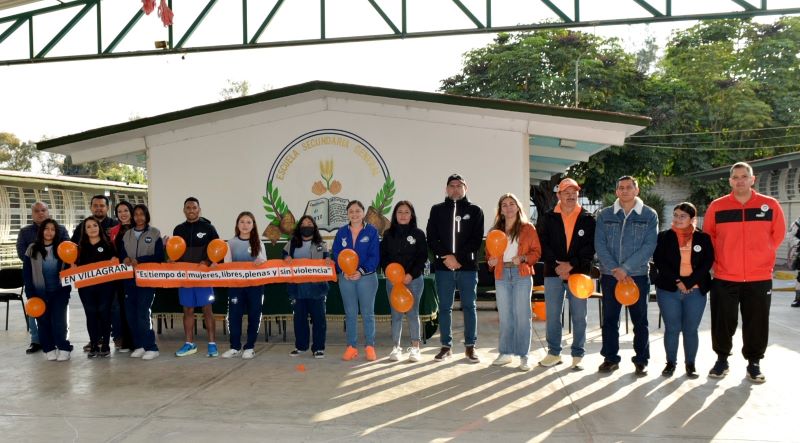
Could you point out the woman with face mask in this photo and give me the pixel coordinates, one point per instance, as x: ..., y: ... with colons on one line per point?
x: 308, y: 299
x: 245, y: 246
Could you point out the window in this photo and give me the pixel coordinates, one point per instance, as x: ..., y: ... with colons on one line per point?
x: 774, y: 178
x: 16, y: 210
x: 791, y: 186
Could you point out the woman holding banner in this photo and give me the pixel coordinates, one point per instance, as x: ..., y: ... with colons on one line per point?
x: 142, y: 244
x: 307, y: 298
x: 513, y: 280
x: 405, y: 244
x: 94, y: 247
x: 41, y: 266
x: 120, y: 330
x: 245, y: 246
x: 358, y: 288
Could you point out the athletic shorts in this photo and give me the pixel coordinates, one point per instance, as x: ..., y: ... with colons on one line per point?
x: 195, y: 297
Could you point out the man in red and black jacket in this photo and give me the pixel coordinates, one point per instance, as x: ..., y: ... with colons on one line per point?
x: 746, y: 229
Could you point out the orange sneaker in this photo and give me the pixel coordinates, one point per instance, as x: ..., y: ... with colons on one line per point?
x: 350, y: 353
x: 370, y: 353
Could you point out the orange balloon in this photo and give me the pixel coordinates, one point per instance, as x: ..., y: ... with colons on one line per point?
x: 627, y: 293
x: 580, y: 285
x: 217, y: 249
x: 401, y: 298
x: 67, y: 252
x: 539, y: 310
x: 176, y: 246
x: 496, y: 242
x: 348, y: 261
x: 395, y: 273
x: 35, y: 307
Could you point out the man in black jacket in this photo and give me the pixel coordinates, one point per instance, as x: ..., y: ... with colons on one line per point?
x: 454, y: 233
x: 567, y: 237
x: 197, y: 232
x: 99, y: 207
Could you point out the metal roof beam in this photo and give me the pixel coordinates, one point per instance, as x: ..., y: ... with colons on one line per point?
x: 651, y: 14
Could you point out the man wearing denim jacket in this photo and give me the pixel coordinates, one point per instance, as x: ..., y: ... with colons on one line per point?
x: 625, y: 239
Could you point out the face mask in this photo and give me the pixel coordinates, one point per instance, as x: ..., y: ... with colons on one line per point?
x: 306, y: 231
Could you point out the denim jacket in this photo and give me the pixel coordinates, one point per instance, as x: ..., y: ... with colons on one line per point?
x: 626, y: 242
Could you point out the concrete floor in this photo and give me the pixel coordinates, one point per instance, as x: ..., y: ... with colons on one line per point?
x: 273, y: 398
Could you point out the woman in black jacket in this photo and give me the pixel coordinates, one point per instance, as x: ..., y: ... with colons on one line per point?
x: 683, y: 257
x: 405, y: 244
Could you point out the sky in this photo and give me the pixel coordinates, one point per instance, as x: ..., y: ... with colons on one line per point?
x: 54, y: 99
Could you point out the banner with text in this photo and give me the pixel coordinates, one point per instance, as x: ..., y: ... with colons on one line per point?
x: 234, y: 274
x: 95, y: 273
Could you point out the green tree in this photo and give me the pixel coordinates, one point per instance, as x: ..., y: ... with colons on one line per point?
x: 16, y: 155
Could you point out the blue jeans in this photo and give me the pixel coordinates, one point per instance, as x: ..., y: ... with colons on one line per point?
x: 682, y: 314
x: 514, y: 309
x: 138, y: 302
x: 359, y: 294
x: 248, y: 299
x: 303, y: 307
x: 611, y: 311
x: 53, y: 323
x: 467, y: 284
x: 33, y: 330
x: 554, y: 290
x: 416, y: 287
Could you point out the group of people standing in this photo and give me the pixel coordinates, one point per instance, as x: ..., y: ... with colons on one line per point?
x: 740, y: 235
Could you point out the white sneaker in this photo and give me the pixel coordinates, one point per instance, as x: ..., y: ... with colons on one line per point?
x: 413, y: 354
x: 396, y: 353
x: 137, y: 353
x: 550, y: 360
x: 524, y: 366
x: 52, y: 355
x: 149, y: 355
x: 576, y: 364
x: 63, y: 355
x: 230, y: 353
x: 502, y: 360
x: 248, y: 354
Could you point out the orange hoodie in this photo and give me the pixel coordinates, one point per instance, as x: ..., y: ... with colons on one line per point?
x: 745, y: 236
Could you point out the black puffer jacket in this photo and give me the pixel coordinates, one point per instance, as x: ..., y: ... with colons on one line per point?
x: 197, y: 236
x: 455, y: 227
x: 405, y: 245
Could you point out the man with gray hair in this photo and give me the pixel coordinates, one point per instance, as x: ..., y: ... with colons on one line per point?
x: 746, y: 229
x: 27, y: 235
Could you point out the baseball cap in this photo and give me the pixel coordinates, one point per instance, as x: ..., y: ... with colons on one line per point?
x: 456, y: 177
x: 568, y: 183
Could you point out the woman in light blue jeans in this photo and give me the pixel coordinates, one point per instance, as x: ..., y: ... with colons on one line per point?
x: 403, y: 243
x: 683, y: 256
x: 359, y: 288
x: 513, y: 281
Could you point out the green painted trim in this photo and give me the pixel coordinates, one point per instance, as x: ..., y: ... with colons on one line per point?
x: 469, y: 14
x: 384, y: 16
x: 649, y: 8
x: 373, y: 91
x: 266, y: 21
x: 11, y: 29
x: 558, y: 11
x: 124, y: 32
x: 65, y: 30
x: 745, y: 4
x: 199, y: 19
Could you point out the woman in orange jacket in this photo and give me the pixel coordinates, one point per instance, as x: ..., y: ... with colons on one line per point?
x: 513, y: 280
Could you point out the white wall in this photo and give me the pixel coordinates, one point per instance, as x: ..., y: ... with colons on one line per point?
x: 227, y: 169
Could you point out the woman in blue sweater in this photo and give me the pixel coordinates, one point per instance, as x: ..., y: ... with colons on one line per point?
x: 358, y: 289
x: 41, y: 266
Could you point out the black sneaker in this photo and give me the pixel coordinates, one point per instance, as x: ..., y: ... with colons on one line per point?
x: 319, y: 354
x: 641, y: 369
x: 104, y: 352
x: 93, y: 352
x: 796, y: 303
x: 33, y: 348
x: 668, y: 370
x: 87, y: 347
x: 608, y: 366
x: 443, y: 354
x: 719, y: 370
x: 754, y: 373
x: 472, y: 356
x: 296, y: 352
x: 691, y: 371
